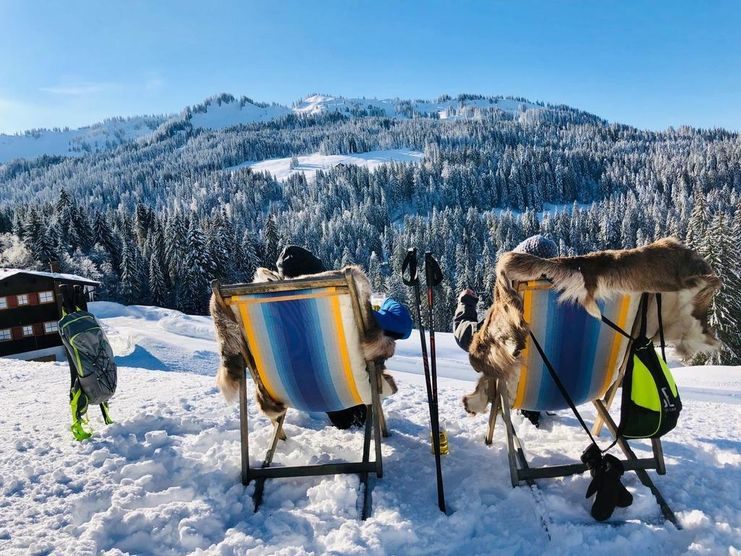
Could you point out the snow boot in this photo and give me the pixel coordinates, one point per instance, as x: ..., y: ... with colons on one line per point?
x: 350, y: 417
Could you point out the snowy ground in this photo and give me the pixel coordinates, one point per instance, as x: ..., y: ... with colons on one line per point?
x: 164, y: 479
x: 310, y: 164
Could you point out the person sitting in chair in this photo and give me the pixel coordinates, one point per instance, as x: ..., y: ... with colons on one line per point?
x: 392, y: 317
x: 466, y: 320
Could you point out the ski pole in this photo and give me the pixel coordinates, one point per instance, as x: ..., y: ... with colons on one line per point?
x: 433, y: 277
x: 410, y: 264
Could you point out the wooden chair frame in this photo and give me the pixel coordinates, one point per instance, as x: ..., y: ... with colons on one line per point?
x: 520, y: 470
x: 375, y: 425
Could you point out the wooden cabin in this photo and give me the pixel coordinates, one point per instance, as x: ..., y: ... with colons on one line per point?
x: 30, y: 309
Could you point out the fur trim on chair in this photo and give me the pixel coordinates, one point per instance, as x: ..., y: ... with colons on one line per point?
x: 681, y: 275
x: 234, y: 352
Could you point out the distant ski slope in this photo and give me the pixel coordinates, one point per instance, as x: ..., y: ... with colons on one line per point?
x: 309, y: 165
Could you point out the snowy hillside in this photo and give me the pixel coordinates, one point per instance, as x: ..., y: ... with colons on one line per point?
x: 444, y: 108
x: 164, y: 479
x: 225, y: 111
x: 309, y: 165
x: 76, y: 142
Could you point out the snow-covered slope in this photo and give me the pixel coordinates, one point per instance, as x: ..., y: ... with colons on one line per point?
x: 444, y: 108
x: 164, y: 479
x: 76, y: 142
x: 225, y: 111
x: 309, y: 165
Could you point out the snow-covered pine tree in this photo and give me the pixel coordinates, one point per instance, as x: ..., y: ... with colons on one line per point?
x: 196, y: 277
x: 270, y: 243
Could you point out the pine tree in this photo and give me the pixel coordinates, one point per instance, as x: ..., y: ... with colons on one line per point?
x: 131, y: 287
x: 270, y: 242
x: 725, y: 310
x: 374, y: 272
x: 196, y: 276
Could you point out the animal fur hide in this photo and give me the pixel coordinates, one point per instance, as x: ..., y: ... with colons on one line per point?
x: 235, y: 353
x: 683, y: 277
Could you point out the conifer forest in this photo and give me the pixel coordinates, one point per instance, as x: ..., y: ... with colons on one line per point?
x: 157, y: 218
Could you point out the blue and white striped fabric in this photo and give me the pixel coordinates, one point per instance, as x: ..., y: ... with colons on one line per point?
x: 306, y: 346
x: 585, y: 352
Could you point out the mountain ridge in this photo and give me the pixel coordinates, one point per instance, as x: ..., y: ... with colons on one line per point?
x: 224, y: 110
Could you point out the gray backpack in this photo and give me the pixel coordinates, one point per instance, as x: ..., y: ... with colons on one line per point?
x: 91, y: 355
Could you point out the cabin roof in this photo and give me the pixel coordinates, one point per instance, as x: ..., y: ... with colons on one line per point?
x: 61, y: 277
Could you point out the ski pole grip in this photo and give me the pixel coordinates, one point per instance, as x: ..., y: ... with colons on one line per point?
x: 410, y: 262
x: 433, y: 274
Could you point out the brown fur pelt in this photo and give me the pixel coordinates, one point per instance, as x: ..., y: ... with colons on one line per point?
x: 681, y: 275
x: 235, y: 353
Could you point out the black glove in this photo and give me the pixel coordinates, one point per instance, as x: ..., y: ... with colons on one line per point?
x: 606, y: 472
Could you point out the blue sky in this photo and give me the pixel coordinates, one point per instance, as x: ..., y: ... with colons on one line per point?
x: 649, y: 64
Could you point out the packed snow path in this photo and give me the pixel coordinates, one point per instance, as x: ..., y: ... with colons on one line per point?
x: 164, y: 479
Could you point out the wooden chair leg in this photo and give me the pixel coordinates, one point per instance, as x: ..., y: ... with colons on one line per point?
x: 260, y: 482
x: 365, y: 485
x: 376, y: 415
x: 244, y: 429
x: 511, y: 455
x: 495, y: 403
x: 658, y: 451
x: 384, y: 427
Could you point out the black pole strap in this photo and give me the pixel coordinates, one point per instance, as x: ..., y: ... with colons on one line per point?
x: 410, y: 262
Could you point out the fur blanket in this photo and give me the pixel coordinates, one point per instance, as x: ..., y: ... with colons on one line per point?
x: 684, y: 278
x: 235, y: 353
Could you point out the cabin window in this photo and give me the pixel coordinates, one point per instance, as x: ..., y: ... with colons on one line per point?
x: 28, y: 330
x: 22, y: 299
x: 50, y: 327
x: 5, y: 335
x: 3, y: 302
x: 46, y: 297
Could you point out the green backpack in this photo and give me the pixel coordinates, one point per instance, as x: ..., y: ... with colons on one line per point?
x: 94, y: 368
x: 650, y: 404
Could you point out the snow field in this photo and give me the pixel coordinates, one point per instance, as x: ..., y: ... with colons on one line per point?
x: 164, y: 479
x: 309, y: 165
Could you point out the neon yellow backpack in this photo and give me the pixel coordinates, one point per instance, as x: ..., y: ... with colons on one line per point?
x: 651, y: 404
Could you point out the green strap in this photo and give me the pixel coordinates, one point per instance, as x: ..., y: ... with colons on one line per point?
x: 106, y: 413
x: 78, y: 406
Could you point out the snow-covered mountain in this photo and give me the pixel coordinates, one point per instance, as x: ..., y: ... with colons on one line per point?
x: 76, y: 142
x: 224, y: 111
x: 164, y: 478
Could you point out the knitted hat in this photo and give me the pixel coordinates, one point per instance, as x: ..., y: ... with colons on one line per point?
x: 394, y: 319
x: 539, y: 246
x: 297, y: 261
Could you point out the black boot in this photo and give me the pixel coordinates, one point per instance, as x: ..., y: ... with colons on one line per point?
x: 350, y: 417
x: 532, y: 416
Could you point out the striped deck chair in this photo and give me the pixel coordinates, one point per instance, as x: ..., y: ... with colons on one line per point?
x: 589, y: 358
x: 305, y: 338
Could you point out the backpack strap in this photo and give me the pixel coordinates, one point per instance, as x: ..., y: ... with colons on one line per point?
x: 661, y: 326
x: 106, y: 413
x: 644, y: 314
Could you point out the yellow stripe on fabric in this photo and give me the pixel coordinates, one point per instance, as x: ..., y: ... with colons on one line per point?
x: 327, y: 292
x: 616, y: 343
x: 527, y: 309
x: 256, y: 352
x: 534, y: 285
x: 346, y: 367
